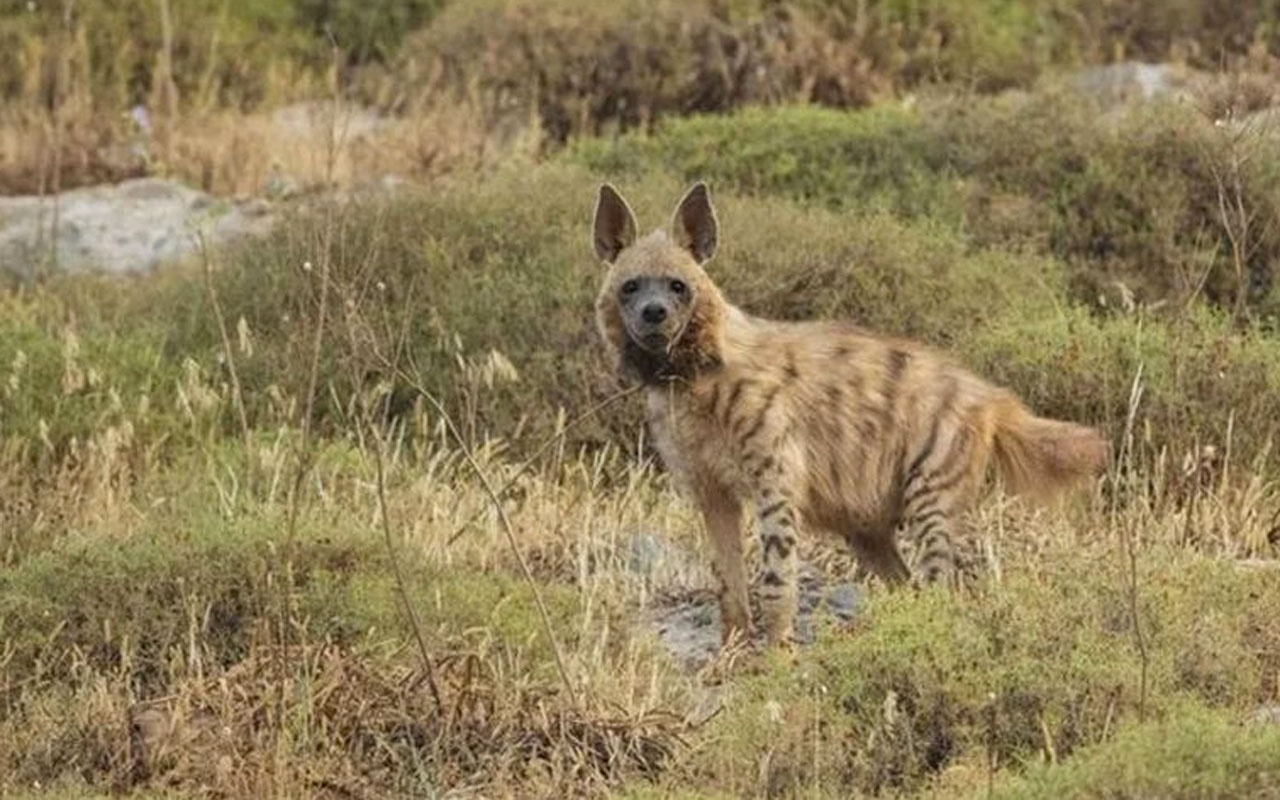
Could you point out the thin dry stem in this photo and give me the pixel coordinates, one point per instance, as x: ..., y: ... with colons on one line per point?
x: 507, y: 529
x: 402, y: 586
x: 1131, y: 552
x: 237, y: 395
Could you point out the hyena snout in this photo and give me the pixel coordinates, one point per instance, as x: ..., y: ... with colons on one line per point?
x: 654, y: 313
x: 654, y: 317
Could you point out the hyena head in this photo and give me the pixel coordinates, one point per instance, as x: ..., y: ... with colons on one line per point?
x: 658, y: 311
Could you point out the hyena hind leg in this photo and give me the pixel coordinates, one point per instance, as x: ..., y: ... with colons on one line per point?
x: 931, y: 551
x: 877, y: 554
x: 927, y: 531
x: 939, y: 485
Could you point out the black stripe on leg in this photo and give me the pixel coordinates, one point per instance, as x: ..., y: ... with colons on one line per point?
x: 781, y: 544
x: 714, y: 400
x: 773, y: 508
x: 925, y: 518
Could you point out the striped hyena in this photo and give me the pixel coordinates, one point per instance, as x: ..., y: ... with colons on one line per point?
x: 818, y: 425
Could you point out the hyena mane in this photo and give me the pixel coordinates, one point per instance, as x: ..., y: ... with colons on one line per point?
x: 815, y: 425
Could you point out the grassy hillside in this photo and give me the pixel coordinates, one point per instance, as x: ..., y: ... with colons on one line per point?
x: 357, y: 510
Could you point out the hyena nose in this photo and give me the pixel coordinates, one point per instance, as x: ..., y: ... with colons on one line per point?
x: 653, y: 313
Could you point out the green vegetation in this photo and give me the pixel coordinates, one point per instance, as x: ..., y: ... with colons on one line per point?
x: 237, y: 52
x: 587, y: 67
x: 137, y: 602
x: 1129, y: 197
x: 1036, y: 667
x: 223, y: 491
x: 1192, y: 753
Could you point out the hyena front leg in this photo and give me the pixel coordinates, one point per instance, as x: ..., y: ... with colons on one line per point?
x: 723, y: 516
x: 779, y: 595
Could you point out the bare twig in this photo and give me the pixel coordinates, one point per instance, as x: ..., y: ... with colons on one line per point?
x: 1239, y: 219
x: 167, y: 83
x: 1131, y: 551
x: 507, y: 528
x: 237, y: 396
x: 317, y: 341
x: 428, y: 664
x: 304, y: 449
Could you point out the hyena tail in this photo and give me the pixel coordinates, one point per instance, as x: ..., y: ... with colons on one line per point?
x: 1038, y: 456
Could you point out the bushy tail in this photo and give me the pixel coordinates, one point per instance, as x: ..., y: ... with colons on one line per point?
x: 1039, y: 457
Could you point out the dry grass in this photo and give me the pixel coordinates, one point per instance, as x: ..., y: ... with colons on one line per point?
x: 176, y: 620
x: 262, y: 153
x: 163, y: 633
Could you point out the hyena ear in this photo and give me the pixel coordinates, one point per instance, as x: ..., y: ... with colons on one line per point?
x: 614, y: 228
x: 695, y: 225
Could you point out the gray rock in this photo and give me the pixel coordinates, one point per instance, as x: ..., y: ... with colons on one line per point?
x: 646, y: 553
x: 133, y: 226
x: 1129, y: 80
x: 843, y: 600
x: 691, y: 630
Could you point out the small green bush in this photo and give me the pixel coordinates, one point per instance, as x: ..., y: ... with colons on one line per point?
x: 1190, y: 753
x: 366, y: 30
x: 1031, y: 665
x: 881, y: 158
x: 69, y: 370
x: 194, y: 574
x: 1199, y: 375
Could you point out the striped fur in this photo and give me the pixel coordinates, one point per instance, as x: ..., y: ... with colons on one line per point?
x: 815, y: 425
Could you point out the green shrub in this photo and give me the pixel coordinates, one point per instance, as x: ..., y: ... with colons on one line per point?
x: 1199, y: 375
x: 366, y: 31
x: 433, y: 283
x: 71, y: 370
x: 881, y: 158
x: 1129, y: 200
x: 985, y: 44
x: 1032, y: 665
x: 197, y: 575
x: 1191, y: 753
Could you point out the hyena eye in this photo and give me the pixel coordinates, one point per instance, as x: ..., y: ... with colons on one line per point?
x: 630, y: 287
x: 678, y: 287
